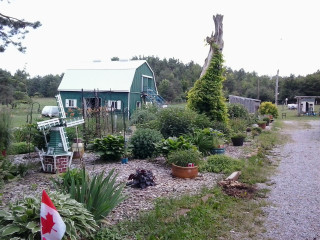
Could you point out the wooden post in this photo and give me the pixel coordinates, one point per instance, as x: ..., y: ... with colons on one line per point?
x: 276, y: 90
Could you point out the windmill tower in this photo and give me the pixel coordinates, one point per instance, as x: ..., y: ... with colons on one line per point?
x: 57, y: 158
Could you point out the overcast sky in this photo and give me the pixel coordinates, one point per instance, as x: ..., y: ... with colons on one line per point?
x: 260, y: 36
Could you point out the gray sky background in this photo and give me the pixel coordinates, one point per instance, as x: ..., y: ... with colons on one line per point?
x: 260, y: 36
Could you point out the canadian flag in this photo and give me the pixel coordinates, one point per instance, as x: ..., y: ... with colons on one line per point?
x: 52, y: 225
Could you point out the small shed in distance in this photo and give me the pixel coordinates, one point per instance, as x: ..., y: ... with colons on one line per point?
x: 251, y: 104
x: 306, y: 104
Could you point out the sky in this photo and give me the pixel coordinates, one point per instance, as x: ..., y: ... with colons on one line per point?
x: 259, y: 35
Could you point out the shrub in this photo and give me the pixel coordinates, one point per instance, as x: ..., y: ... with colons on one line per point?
x: 183, y: 157
x: 9, y: 171
x: 175, y: 122
x: 22, y: 219
x: 110, y: 147
x: 143, y: 142
x: 172, y: 144
x: 20, y: 148
x: 5, y: 125
x: 143, y: 115
x: 268, y: 108
x: 222, y: 164
x: 236, y: 110
x: 99, y: 194
x: 141, y: 179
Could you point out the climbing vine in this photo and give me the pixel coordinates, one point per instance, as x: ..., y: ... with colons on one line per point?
x: 206, y: 96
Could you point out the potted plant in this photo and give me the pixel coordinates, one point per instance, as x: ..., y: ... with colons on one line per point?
x: 267, y: 119
x: 218, y: 144
x: 184, y: 163
x: 238, y: 138
x: 126, y: 155
x: 262, y: 124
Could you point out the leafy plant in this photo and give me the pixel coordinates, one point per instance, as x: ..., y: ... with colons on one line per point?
x: 5, y: 125
x: 20, y: 148
x: 206, y: 96
x: 9, y: 171
x: 266, y: 119
x: 236, y: 110
x: 172, y: 144
x: 222, y: 164
x: 141, y: 179
x: 22, y: 219
x: 110, y: 147
x: 175, y: 122
x: 99, y: 194
x: 143, y: 142
x: 183, y: 157
x: 268, y: 108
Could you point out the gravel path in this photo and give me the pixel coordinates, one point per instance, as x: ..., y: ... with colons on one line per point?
x: 295, y: 195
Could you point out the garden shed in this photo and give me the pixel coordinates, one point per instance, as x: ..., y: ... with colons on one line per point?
x: 251, y: 104
x: 115, y: 86
x: 306, y: 104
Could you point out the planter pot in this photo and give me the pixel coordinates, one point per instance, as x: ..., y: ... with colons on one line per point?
x: 237, y: 141
x: 124, y: 160
x: 262, y: 125
x: 184, y: 172
x: 217, y: 151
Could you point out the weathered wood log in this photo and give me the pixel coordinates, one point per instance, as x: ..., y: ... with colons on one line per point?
x: 234, y: 176
x: 216, y: 39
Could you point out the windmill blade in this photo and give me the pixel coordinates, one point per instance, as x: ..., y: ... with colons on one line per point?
x: 75, y: 122
x: 62, y: 113
x: 64, y: 139
x: 48, y: 123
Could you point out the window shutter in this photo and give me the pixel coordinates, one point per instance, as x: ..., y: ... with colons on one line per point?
x: 74, y: 103
x: 119, y: 105
x: 67, y: 102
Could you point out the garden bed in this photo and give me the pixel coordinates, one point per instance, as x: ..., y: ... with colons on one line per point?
x: 137, y: 200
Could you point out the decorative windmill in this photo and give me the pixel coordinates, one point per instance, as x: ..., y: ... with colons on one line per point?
x: 57, y: 158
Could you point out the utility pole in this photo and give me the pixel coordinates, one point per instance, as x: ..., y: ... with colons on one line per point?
x: 276, y: 90
x: 258, y: 97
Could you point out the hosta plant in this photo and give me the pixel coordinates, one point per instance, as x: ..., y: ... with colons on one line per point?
x: 141, y: 179
x: 22, y: 219
x: 172, y: 144
x: 110, y: 147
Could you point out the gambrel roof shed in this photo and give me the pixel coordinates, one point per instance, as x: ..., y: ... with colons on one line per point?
x: 116, y: 76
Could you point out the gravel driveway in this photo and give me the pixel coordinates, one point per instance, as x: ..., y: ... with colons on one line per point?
x: 295, y: 195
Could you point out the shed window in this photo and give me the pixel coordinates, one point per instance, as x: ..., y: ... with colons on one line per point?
x: 114, y: 105
x: 71, y: 103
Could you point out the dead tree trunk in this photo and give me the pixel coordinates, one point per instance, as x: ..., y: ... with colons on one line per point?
x: 216, y: 39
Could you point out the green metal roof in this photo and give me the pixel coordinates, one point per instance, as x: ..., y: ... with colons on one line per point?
x: 102, y: 76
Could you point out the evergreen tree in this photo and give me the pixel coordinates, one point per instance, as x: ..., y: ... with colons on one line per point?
x: 206, y: 96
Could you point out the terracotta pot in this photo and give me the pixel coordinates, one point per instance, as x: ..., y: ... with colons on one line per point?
x: 184, y: 172
x: 262, y: 125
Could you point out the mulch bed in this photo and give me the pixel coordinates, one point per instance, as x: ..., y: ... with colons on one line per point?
x: 237, y: 189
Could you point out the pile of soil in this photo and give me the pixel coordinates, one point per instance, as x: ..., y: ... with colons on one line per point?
x: 237, y: 189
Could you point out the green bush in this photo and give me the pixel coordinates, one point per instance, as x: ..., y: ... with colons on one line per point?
x: 236, y: 110
x: 268, y: 108
x: 110, y: 147
x: 99, y: 194
x: 5, y: 126
x: 172, y: 144
x: 20, y: 148
x: 143, y: 142
x: 143, y: 115
x: 175, y: 122
x: 22, y: 219
x: 183, y: 157
x: 222, y: 164
x: 9, y: 171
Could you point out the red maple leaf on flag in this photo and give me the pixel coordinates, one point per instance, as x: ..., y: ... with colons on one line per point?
x: 47, y: 224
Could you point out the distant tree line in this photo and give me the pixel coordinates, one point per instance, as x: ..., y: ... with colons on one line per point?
x: 174, y: 79
x: 20, y: 87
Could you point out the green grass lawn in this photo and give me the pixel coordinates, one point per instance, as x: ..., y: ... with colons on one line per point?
x: 23, y: 112
x: 293, y: 114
